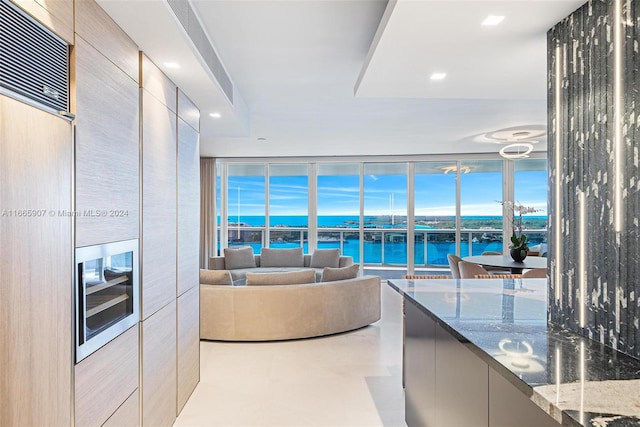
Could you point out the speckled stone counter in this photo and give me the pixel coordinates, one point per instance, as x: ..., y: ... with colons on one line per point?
x: 504, y: 322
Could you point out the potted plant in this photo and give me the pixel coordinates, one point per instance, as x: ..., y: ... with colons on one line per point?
x: 518, y: 247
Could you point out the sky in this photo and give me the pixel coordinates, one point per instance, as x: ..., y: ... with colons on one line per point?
x: 435, y: 194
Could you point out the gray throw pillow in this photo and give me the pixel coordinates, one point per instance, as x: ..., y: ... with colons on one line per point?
x: 325, y: 258
x: 239, y: 258
x: 215, y: 277
x: 270, y: 257
x: 282, y: 278
x: 332, y: 274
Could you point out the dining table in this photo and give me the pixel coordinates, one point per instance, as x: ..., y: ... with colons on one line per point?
x: 506, y: 261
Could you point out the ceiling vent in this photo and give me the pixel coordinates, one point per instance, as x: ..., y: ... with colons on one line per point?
x: 34, y: 62
x: 187, y: 17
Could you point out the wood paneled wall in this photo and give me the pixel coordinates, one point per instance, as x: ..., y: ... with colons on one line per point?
x: 188, y: 345
x: 36, y: 288
x: 159, y: 156
x: 595, y: 260
x: 56, y: 15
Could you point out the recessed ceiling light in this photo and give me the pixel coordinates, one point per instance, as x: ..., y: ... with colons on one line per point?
x: 438, y: 76
x: 173, y: 65
x: 492, y: 20
x: 215, y: 115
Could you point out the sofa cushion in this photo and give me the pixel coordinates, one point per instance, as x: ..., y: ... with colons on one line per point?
x: 282, y: 278
x: 330, y: 274
x: 239, y: 258
x: 270, y: 257
x: 325, y: 258
x: 215, y: 277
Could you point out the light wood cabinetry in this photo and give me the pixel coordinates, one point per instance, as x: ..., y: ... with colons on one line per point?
x: 106, y: 378
x: 188, y: 208
x: 159, y: 367
x: 57, y: 15
x: 107, y: 149
x: 153, y: 80
x: 188, y: 111
x: 35, y: 267
x: 188, y: 345
x: 128, y: 414
x: 98, y: 29
x: 158, y: 201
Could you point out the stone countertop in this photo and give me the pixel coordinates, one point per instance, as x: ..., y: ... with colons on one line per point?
x: 575, y: 380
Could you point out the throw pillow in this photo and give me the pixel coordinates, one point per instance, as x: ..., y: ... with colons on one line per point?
x: 239, y: 258
x: 325, y: 258
x: 270, y: 257
x: 215, y: 277
x: 332, y: 274
x: 282, y: 278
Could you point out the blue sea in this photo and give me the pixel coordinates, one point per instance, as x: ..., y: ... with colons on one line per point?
x: 430, y: 248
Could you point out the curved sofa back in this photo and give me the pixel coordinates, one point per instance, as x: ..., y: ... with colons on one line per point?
x: 280, y: 312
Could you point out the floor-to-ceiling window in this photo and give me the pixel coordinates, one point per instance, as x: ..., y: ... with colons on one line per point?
x: 246, y: 205
x: 361, y: 207
x: 435, y: 212
x: 385, y: 213
x: 288, y: 205
x: 338, y: 206
x: 480, y: 209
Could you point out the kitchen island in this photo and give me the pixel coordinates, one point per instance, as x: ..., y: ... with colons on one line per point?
x: 479, y: 352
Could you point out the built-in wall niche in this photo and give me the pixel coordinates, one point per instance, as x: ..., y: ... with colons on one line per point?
x: 594, y: 196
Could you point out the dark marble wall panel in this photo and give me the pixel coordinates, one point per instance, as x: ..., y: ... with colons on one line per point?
x: 582, y: 118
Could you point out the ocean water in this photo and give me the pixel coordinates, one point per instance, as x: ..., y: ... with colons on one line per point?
x: 432, y: 249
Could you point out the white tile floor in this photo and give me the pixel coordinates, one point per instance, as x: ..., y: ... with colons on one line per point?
x: 350, y: 379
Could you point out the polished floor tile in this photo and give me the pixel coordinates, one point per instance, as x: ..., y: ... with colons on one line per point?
x: 350, y: 379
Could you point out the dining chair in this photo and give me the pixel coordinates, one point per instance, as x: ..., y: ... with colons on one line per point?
x: 497, y: 270
x: 491, y: 253
x: 426, y: 276
x: 538, y: 273
x: 453, y: 265
x: 468, y: 270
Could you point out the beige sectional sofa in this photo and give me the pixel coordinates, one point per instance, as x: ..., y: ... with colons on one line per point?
x: 292, y: 296
x: 280, y: 312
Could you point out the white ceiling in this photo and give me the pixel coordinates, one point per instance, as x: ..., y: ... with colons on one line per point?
x: 351, y: 77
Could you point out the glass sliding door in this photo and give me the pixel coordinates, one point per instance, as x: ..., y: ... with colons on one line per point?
x: 246, y: 205
x: 288, y: 205
x: 338, y: 206
x: 385, y: 213
x: 435, y: 213
x: 530, y: 189
x: 480, y: 210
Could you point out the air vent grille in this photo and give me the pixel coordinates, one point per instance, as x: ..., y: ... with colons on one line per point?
x: 34, y: 63
x: 187, y: 17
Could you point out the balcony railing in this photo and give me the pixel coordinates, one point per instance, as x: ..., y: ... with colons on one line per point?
x: 382, y: 246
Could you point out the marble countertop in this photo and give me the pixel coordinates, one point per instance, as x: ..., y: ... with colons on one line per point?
x: 576, y: 380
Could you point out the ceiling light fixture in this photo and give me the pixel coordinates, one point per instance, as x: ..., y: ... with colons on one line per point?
x: 172, y: 65
x: 215, y: 115
x: 517, y: 154
x: 492, y: 20
x: 438, y: 76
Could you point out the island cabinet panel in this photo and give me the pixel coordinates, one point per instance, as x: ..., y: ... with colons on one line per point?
x: 128, y: 414
x: 98, y: 29
x: 509, y: 407
x: 188, y: 345
x: 36, y: 290
x: 462, y: 384
x: 188, y: 208
x: 420, y: 367
x: 107, y: 149
x: 159, y: 367
x: 106, y: 379
x: 158, y: 205
x: 56, y: 15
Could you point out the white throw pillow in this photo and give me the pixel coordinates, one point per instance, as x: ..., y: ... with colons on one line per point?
x: 332, y: 274
x: 282, y: 278
x: 239, y: 258
x: 325, y: 258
